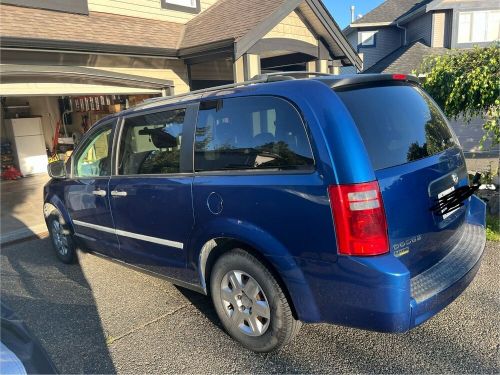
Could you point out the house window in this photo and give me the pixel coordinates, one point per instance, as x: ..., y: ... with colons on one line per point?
x: 367, y: 38
x: 477, y: 27
x: 191, y: 6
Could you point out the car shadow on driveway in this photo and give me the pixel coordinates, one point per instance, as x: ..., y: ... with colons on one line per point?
x: 202, y: 303
x: 57, y: 304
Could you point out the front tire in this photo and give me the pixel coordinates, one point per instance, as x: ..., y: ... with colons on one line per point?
x: 61, y: 237
x: 250, y: 303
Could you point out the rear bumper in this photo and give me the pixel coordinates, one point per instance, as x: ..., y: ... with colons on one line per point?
x: 437, y: 287
x: 377, y: 293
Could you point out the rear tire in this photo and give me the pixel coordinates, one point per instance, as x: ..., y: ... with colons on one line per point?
x: 62, y: 239
x: 250, y: 303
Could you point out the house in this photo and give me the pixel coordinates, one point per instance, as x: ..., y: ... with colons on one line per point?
x: 398, y: 34
x: 73, y: 62
x: 396, y: 37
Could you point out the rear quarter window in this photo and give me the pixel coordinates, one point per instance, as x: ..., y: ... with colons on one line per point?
x: 398, y: 123
x: 251, y: 133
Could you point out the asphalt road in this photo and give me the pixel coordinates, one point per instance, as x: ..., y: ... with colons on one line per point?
x: 100, y: 317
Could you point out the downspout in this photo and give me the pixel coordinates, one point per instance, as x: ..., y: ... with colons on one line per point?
x: 404, y: 29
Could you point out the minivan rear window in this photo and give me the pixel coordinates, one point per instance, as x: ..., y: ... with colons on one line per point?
x: 398, y: 123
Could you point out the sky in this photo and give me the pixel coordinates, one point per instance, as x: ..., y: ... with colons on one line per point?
x: 341, y: 9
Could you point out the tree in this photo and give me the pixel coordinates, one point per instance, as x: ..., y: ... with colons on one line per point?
x: 465, y: 84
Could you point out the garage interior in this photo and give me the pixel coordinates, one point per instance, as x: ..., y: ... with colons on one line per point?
x: 44, y: 113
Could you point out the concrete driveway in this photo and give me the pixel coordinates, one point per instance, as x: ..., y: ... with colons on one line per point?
x: 21, y: 211
x: 100, y: 317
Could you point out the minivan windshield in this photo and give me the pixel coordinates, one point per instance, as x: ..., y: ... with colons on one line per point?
x: 398, y: 123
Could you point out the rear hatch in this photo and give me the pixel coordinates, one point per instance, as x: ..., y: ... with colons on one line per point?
x: 416, y: 159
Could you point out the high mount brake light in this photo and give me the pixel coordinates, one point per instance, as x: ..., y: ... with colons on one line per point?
x: 359, y: 218
x: 399, y: 77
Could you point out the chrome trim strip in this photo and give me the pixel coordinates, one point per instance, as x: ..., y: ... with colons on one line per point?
x: 118, y: 232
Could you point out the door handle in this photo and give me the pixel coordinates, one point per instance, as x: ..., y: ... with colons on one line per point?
x: 116, y: 193
x: 100, y: 193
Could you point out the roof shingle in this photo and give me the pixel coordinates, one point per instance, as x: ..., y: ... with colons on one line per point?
x: 405, y: 59
x: 390, y: 10
x: 227, y: 19
x: 100, y: 28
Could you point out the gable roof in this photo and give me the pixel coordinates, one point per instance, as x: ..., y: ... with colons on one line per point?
x: 243, y: 23
x: 405, y: 59
x: 389, y: 12
x: 230, y: 19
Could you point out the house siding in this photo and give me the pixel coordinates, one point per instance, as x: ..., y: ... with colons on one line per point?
x: 420, y: 28
x: 174, y: 70
x: 150, y: 9
x: 292, y: 27
x: 387, y: 40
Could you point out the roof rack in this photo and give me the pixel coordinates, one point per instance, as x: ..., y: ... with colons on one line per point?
x: 262, y: 78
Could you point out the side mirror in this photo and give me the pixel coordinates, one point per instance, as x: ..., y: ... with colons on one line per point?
x: 57, y: 169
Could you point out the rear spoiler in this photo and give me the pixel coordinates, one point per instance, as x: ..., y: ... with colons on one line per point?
x: 362, y: 79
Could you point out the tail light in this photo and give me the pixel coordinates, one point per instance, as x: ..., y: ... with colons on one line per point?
x: 359, y: 218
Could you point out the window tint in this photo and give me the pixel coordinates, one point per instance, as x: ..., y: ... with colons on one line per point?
x: 250, y: 133
x: 151, y: 144
x: 398, y: 124
x: 94, y: 160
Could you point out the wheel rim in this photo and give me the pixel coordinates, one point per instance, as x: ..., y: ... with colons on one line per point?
x: 245, y: 303
x: 60, y: 239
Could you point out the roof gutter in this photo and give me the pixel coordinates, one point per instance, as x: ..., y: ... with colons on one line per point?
x: 405, y: 30
x: 85, y: 47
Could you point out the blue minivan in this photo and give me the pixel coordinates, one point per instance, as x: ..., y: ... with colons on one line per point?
x: 287, y: 199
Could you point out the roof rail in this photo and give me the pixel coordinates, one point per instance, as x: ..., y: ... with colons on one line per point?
x: 280, y: 76
x: 262, y: 78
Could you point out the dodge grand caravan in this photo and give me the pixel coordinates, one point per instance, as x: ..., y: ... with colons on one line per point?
x: 286, y: 200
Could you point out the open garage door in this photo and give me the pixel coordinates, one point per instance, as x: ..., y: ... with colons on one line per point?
x: 37, y: 80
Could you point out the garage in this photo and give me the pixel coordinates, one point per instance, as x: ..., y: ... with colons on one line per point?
x: 46, y: 111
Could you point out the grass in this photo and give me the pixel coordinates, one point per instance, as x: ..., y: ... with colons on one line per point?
x: 492, y: 228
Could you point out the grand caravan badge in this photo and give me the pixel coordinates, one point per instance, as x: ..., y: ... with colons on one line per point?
x: 403, y: 247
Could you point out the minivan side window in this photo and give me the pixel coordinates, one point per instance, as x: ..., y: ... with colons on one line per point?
x: 151, y: 143
x: 94, y: 159
x: 251, y: 133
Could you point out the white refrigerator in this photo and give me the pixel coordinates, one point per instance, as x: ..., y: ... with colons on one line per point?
x: 28, y: 144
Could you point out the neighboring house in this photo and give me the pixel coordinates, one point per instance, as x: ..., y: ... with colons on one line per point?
x: 396, y: 37
x: 104, y: 55
x: 398, y: 34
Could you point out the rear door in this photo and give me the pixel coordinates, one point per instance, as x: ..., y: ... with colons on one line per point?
x: 256, y: 178
x: 87, y: 196
x: 150, y: 192
x: 417, y: 159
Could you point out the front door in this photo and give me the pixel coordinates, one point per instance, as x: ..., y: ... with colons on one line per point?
x: 150, y: 193
x: 87, y: 197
